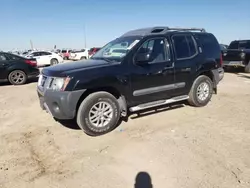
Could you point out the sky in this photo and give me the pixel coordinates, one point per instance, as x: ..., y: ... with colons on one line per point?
x: 64, y: 23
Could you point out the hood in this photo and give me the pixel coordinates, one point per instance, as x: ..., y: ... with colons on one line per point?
x: 63, y: 68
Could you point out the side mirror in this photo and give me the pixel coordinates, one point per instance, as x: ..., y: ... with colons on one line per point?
x: 142, y: 58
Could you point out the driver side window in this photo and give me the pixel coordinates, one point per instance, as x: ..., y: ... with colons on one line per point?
x: 157, y: 50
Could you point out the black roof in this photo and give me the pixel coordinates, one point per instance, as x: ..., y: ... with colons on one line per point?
x: 158, y: 30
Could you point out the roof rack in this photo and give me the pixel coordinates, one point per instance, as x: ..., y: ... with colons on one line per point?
x: 186, y: 29
x: 159, y: 30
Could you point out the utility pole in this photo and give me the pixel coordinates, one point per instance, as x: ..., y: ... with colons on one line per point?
x: 31, y: 44
x: 85, y: 40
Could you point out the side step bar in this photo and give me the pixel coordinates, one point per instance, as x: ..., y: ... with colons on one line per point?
x: 158, y: 103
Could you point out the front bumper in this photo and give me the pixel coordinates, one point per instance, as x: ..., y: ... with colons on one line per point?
x: 60, y: 104
x: 234, y: 63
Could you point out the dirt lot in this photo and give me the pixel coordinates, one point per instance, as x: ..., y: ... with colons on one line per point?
x: 181, y: 147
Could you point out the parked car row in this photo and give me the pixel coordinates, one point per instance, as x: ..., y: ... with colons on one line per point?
x: 17, y: 69
x: 45, y: 58
x: 237, y: 55
x: 77, y: 54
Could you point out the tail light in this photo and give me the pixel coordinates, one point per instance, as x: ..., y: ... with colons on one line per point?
x: 31, y: 62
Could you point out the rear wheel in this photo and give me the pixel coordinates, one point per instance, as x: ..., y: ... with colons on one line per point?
x: 17, y: 77
x: 53, y: 61
x: 98, y: 113
x: 201, y: 91
x: 82, y: 58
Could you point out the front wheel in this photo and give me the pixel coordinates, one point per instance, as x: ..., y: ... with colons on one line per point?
x: 201, y: 91
x: 98, y: 113
x: 53, y: 61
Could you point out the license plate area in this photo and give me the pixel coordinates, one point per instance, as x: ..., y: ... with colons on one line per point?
x: 235, y: 63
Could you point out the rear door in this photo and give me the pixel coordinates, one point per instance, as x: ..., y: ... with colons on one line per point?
x: 4, y: 63
x: 185, y: 50
x: 38, y: 58
x: 45, y: 57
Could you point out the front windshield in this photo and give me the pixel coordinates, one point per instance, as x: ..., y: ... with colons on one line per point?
x: 116, y: 49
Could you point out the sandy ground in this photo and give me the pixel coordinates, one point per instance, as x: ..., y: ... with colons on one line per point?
x: 181, y: 147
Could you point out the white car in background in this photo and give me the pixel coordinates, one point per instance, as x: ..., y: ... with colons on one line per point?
x: 79, y: 54
x: 45, y: 58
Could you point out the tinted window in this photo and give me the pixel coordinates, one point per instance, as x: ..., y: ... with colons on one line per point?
x: 223, y: 47
x: 3, y: 57
x: 244, y: 44
x: 78, y: 51
x: 191, y: 45
x: 44, y: 53
x: 184, y: 46
x: 209, y: 45
x: 157, y: 49
x: 13, y: 57
x: 35, y: 54
x: 234, y: 45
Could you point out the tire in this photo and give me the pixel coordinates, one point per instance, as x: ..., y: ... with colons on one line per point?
x: 88, y: 105
x: 83, y: 58
x: 200, y: 100
x: 17, y: 77
x: 53, y: 61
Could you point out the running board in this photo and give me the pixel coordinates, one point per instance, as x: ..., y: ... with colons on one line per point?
x: 158, y: 103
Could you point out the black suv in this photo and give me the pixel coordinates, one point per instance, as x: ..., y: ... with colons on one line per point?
x: 142, y: 69
x: 237, y: 55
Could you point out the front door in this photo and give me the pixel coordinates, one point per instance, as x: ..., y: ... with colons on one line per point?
x: 154, y: 79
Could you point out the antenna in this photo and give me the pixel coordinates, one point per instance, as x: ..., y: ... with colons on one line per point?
x: 31, y: 44
x: 85, y: 40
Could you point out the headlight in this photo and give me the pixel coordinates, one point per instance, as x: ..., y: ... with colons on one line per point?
x: 59, y: 83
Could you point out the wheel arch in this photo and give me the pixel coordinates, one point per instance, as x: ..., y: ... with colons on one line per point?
x: 209, y: 74
x: 109, y: 89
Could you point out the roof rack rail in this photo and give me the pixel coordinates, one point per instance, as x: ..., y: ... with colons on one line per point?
x: 186, y: 29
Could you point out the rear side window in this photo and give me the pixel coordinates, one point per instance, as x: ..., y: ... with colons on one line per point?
x: 13, y: 57
x: 244, y: 44
x: 3, y: 57
x: 210, y: 45
x: 234, y: 45
x: 185, y: 46
x: 45, y: 53
x: 35, y: 54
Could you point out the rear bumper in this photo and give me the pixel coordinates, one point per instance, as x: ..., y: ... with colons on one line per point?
x: 233, y: 63
x: 60, y: 104
x: 34, y: 74
x: 221, y: 73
